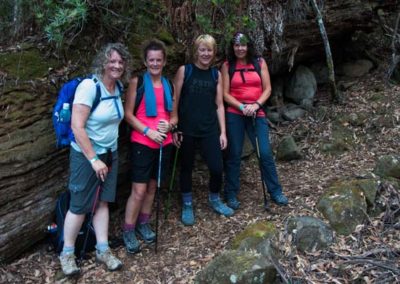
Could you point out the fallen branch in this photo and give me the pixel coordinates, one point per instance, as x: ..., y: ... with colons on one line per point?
x: 373, y: 262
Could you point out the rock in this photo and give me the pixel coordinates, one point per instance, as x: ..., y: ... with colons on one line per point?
x: 254, y: 233
x: 309, y: 233
x: 344, y: 206
x: 292, y: 112
x: 356, y: 68
x: 288, y: 150
x: 302, y: 86
x: 320, y: 71
x: 274, y: 116
x: 237, y: 267
x: 388, y: 166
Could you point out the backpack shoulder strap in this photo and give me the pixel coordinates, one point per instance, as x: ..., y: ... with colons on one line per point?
x: 257, y: 66
x: 139, y: 92
x: 98, y: 94
x: 214, y: 72
x: 188, y: 72
x: 231, y: 68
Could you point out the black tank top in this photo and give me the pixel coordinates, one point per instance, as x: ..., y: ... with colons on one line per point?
x: 197, y: 107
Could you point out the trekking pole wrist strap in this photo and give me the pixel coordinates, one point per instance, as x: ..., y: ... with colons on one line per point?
x: 259, y: 105
x: 94, y: 159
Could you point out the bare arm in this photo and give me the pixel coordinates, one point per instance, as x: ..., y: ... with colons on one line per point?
x: 229, y: 99
x: 178, y: 83
x: 221, y: 112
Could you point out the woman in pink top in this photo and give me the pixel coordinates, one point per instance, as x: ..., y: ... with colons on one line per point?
x: 152, y: 118
x: 247, y: 87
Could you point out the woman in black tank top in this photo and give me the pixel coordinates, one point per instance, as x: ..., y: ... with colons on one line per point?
x: 201, y: 122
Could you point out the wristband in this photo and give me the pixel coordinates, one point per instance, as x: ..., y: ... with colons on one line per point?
x: 241, y: 107
x: 94, y: 159
x: 145, y: 130
x: 259, y: 105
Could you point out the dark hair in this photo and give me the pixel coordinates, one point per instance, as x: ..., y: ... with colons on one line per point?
x: 251, y: 52
x: 103, y: 56
x: 154, y: 44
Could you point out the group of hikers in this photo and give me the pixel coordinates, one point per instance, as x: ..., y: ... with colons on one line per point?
x: 202, y: 107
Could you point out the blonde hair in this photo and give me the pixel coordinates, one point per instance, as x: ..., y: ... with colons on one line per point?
x: 207, y: 40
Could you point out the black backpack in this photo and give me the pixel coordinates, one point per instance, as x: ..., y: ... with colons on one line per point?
x: 57, y: 235
x: 255, y: 62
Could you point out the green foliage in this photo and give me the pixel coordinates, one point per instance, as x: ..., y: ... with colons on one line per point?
x: 61, y: 20
x: 223, y: 18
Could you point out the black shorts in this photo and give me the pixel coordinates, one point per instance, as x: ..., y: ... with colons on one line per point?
x: 145, y: 162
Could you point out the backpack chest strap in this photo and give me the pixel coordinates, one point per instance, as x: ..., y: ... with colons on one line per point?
x: 243, y: 70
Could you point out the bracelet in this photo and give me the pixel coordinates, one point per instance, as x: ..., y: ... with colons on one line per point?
x: 94, y: 159
x: 174, y: 128
x: 145, y: 130
x: 259, y: 105
x: 241, y: 107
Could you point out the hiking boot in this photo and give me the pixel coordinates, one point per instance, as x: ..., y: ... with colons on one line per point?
x: 187, y: 215
x: 280, y: 199
x: 68, y: 264
x: 233, y: 203
x: 108, y: 259
x: 144, y: 231
x: 132, y: 244
x: 221, y: 208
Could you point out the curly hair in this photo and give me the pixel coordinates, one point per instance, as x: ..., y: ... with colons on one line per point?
x: 251, y: 52
x: 102, y: 57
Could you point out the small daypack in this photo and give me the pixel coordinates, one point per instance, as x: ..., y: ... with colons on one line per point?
x: 140, y: 91
x: 57, y: 236
x: 64, y: 134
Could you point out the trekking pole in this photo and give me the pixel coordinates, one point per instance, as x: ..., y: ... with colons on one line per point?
x: 266, y: 205
x: 96, y: 197
x: 158, y: 195
x: 171, y: 185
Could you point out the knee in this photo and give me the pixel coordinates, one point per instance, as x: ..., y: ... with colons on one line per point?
x: 138, y: 195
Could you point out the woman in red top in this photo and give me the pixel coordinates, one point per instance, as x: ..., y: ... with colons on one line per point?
x: 152, y: 120
x: 245, y: 91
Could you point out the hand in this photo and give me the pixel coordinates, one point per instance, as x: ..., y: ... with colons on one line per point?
x: 223, y: 141
x: 156, y: 136
x: 177, y: 138
x: 163, y: 126
x: 250, y: 109
x: 101, y: 169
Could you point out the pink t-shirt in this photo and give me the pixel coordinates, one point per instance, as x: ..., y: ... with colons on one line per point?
x: 247, y: 92
x: 152, y: 122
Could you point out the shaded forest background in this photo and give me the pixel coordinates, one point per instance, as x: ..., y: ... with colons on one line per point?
x: 43, y: 43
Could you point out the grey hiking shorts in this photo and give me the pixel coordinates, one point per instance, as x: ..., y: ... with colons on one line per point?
x: 83, y: 182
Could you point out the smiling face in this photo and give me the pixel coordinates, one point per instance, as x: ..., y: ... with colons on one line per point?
x: 155, y: 62
x: 240, y: 50
x: 205, y: 55
x: 115, y: 66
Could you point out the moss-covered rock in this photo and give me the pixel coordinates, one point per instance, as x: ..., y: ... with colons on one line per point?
x: 254, y: 234
x: 25, y: 64
x: 388, y: 166
x: 344, y: 205
x: 243, y: 267
x: 288, y: 150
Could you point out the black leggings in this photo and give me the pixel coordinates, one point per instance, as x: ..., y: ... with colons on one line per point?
x: 211, y: 152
